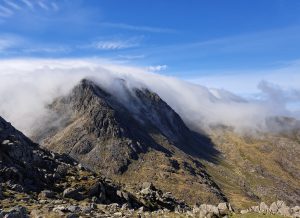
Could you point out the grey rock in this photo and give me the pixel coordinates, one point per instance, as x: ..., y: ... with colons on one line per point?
x: 73, y: 208
x: 273, y: 208
x: 47, y: 194
x: 255, y: 209
x: 244, y: 211
x: 60, y: 208
x: 147, y: 185
x: 17, y: 188
x: 295, y: 209
x: 61, y: 171
x: 86, y: 209
x: 17, y: 212
x: 224, y: 208
x: 263, y: 207
x: 73, y: 193
x: 72, y: 215
x: 284, y: 210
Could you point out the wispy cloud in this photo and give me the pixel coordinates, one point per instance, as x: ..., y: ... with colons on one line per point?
x: 54, y: 6
x: 28, y: 3
x: 54, y: 49
x: 157, y: 68
x: 12, y: 4
x: 137, y: 28
x: 9, y: 8
x: 8, y: 42
x: 246, y: 43
x: 245, y: 81
x: 131, y: 57
x: 5, y: 12
x: 43, y: 5
x: 115, y: 44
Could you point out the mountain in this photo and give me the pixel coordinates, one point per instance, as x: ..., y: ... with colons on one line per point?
x: 152, y: 159
x: 46, y: 184
x: 132, y: 136
x: 141, y: 137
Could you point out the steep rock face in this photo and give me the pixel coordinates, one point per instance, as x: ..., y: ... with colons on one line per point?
x: 21, y: 161
x: 140, y: 137
x: 26, y: 168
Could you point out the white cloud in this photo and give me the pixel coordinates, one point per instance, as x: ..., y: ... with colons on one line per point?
x: 28, y: 3
x: 137, y: 28
x: 53, y: 49
x: 245, y: 82
x: 8, y: 42
x: 115, y: 44
x: 54, y: 6
x: 12, y: 4
x: 33, y: 83
x: 131, y: 57
x: 43, y: 5
x: 5, y: 12
x: 157, y: 68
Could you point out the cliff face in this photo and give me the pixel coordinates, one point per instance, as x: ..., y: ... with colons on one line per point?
x: 141, y: 138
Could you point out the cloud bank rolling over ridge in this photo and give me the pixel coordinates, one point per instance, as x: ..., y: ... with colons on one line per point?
x: 28, y: 85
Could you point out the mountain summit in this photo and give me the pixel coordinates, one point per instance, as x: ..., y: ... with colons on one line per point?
x: 132, y: 136
x: 141, y: 137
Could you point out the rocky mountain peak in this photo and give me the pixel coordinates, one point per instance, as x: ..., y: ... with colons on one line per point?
x: 117, y: 132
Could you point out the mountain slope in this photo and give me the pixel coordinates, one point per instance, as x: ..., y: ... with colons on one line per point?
x: 45, y: 184
x: 263, y: 167
x: 140, y: 138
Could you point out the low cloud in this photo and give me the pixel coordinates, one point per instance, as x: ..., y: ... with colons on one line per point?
x: 28, y: 85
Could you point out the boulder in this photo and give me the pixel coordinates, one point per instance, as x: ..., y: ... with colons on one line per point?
x: 17, y: 212
x: 224, y: 208
x: 295, y: 209
x: 280, y: 204
x: 46, y: 194
x: 94, y: 190
x: 284, y: 210
x: 73, y: 208
x: 263, y: 207
x: 61, y: 171
x: 60, y: 209
x: 73, y: 193
x: 147, y: 185
x: 255, y: 209
x: 72, y: 215
x: 244, y: 211
x: 273, y: 208
x: 17, y: 188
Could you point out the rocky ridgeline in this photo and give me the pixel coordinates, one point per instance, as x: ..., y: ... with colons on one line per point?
x: 278, y: 207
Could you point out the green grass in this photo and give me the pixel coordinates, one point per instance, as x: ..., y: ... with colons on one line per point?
x: 255, y: 215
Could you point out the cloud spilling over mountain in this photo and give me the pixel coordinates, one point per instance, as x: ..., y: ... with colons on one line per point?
x: 28, y: 85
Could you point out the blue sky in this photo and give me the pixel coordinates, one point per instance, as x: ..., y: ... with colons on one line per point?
x: 217, y: 43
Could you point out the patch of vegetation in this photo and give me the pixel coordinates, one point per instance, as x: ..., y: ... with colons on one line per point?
x: 255, y: 215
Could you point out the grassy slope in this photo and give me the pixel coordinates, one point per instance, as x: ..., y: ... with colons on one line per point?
x: 255, y: 215
x: 253, y: 170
